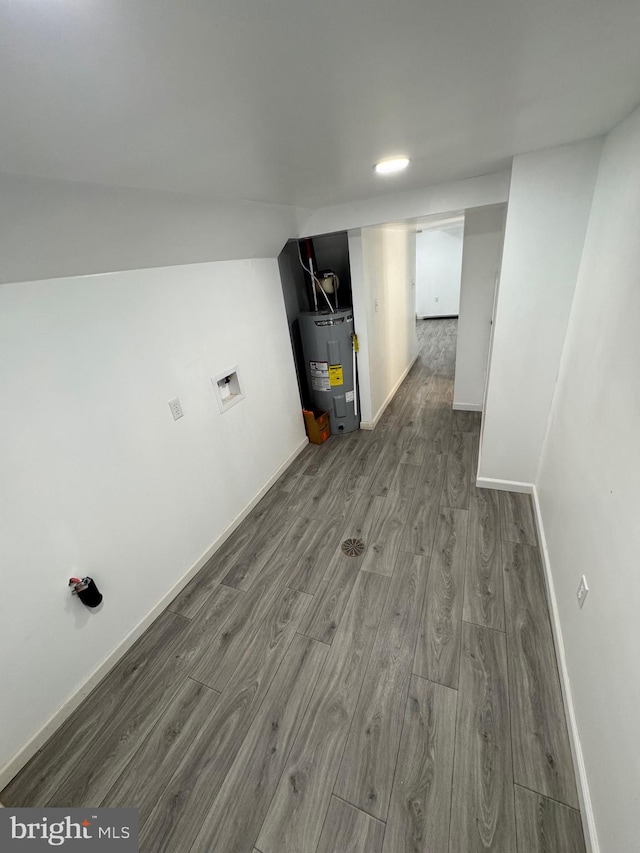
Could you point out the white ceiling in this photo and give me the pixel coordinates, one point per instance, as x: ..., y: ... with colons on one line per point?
x: 292, y: 101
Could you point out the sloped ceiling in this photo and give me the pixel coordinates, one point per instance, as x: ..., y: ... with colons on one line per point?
x: 292, y: 101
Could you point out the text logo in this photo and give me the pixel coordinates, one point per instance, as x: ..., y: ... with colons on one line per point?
x: 102, y: 830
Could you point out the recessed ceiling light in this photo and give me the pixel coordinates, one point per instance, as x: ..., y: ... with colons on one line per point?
x: 387, y: 167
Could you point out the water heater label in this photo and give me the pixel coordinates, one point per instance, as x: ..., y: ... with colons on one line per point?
x: 320, y: 375
x: 335, y: 375
x: 348, y: 397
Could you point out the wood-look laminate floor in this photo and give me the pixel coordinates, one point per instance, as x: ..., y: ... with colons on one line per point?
x: 293, y: 699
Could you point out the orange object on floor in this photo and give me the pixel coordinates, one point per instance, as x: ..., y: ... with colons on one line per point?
x: 317, y: 425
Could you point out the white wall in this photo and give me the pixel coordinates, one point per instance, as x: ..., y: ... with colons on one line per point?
x: 361, y: 311
x: 549, y: 204
x: 56, y: 228
x: 481, y: 253
x: 589, y: 497
x: 443, y: 198
x: 382, y: 276
x: 96, y: 476
x: 438, y: 271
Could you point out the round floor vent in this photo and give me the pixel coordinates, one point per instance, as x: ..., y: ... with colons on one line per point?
x: 353, y: 547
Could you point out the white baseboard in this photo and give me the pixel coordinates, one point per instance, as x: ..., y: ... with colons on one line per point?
x: 437, y: 316
x: 390, y: 396
x: 467, y: 407
x: 586, y: 808
x: 15, y: 764
x: 504, y: 485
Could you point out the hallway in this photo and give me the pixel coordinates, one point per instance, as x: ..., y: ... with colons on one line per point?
x: 296, y: 699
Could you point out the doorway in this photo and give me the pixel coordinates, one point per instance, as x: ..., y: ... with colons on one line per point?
x: 439, y: 268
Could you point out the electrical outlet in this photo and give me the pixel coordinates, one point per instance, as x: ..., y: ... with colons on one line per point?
x: 176, y: 409
x: 376, y: 305
x: 437, y: 299
x: 582, y: 592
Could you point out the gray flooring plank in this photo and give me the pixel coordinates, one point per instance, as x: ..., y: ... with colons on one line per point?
x: 260, y: 517
x: 329, y: 454
x: 419, y: 811
x: 436, y: 426
x: 279, y: 566
x: 298, y: 496
x: 39, y: 780
x: 296, y: 816
x: 197, y: 592
x: 289, y: 479
x: 423, y: 384
x: 455, y: 492
x: 366, y: 447
x: 438, y: 646
x: 236, y: 816
x: 338, y: 495
x: 466, y: 421
x: 219, y: 660
x: 421, y: 521
x: 348, y: 830
x: 329, y: 602
x: 541, y: 753
x: 145, y: 777
x: 516, y: 516
x: 350, y: 445
x: 414, y: 446
x: 482, y: 803
x: 431, y: 391
x: 140, y: 708
x: 386, y: 470
x: 214, y: 661
x: 369, y: 760
x: 309, y: 558
x: 387, y: 531
x: 545, y: 826
x: 255, y: 555
x: 208, y: 624
x: 409, y: 398
x: 439, y: 398
x: 373, y: 447
x: 484, y: 587
x: 410, y: 416
x: 181, y: 810
x: 404, y: 480
x: 319, y: 458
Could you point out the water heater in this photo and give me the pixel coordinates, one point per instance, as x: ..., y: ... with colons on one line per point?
x: 327, y: 344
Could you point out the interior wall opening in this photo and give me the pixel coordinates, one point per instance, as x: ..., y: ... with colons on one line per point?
x: 316, y: 284
x: 439, y: 267
x: 378, y: 281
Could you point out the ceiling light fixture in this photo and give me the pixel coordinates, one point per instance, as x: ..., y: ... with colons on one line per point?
x: 387, y: 167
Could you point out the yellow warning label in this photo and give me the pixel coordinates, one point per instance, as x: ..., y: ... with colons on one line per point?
x: 335, y: 375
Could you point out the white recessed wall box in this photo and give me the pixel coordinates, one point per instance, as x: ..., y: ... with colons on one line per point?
x: 227, y: 388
